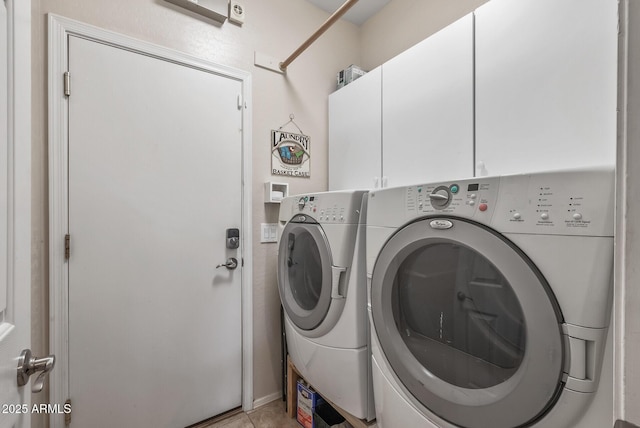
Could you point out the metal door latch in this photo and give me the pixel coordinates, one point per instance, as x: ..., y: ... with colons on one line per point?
x: 230, y: 264
x: 28, y: 365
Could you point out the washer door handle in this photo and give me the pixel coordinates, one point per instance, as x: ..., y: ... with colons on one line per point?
x: 337, y: 282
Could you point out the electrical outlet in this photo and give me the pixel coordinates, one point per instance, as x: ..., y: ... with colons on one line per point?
x: 236, y: 12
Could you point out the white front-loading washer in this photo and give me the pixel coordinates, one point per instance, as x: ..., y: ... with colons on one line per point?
x: 322, y: 285
x: 490, y: 301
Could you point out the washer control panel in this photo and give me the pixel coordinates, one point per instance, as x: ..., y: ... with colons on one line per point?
x: 466, y: 198
x: 563, y: 202
x: 568, y: 203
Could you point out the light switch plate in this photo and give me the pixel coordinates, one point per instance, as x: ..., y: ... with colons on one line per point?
x: 268, y: 232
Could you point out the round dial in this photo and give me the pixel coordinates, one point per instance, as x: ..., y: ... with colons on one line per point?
x: 440, y: 197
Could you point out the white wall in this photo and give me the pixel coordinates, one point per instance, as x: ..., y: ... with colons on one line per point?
x: 274, y: 27
x: 403, y: 23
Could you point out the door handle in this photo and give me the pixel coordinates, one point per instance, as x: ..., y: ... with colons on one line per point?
x: 230, y: 264
x: 28, y: 365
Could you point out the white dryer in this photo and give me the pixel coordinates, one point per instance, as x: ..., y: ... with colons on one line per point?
x: 322, y: 285
x: 490, y: 301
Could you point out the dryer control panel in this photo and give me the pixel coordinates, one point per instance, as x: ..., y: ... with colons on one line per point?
x: 326, y: 207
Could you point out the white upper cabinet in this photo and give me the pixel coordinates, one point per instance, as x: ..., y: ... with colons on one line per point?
x: 427, y: 109
x: 545, y: 85
x: 408, y: 121
x: 355, y: 134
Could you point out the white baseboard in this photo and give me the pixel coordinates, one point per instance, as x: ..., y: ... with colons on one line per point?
x: 267, y: 399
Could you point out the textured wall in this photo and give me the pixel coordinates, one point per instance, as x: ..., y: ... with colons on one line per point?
x: 276, y: 28
x: 417, y: 19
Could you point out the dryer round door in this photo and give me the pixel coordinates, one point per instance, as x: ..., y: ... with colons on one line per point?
x: 304, y: 273
x: 468, y: 324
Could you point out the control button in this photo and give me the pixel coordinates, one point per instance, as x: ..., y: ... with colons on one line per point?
x: 454, y: 188
x: 334, y: 217
x: 472, y: 203
x: 420, y: 205
x: 577, y: 216
x: 517, y: 216
x: 341, y: 218
x: 483, y: 207
x: 544, y: 216
x: 473, y: 196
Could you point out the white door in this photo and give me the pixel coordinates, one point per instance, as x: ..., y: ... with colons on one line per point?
x: 154, y: 182
x: 15, y: 200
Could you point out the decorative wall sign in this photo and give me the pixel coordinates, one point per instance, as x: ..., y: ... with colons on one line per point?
x: 290, y: 152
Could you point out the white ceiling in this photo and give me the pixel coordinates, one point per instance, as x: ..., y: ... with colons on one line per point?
x: 358, y: 13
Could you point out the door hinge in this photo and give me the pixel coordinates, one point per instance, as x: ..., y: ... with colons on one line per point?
x: 67, y: 246
x: 67, y: 412
x: 67, y: 83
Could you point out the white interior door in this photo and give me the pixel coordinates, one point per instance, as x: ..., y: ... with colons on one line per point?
x: 15, y: 203
x: 154, y: 182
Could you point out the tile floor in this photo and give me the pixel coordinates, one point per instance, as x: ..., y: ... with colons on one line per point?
x: 270, y: 415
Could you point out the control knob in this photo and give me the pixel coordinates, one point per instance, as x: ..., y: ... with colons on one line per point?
x: 301, y: 203
x: 440, y: 197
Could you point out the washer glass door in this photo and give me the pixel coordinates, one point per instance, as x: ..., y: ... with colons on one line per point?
x: 304, y: 272
x: 468, y: 324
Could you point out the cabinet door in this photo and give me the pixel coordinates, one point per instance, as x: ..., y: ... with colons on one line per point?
x: 355, y: 134
x: 545, y: 85
x: 427, y: 108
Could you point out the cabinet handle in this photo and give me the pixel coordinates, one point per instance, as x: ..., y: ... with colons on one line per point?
x: 481, y: 169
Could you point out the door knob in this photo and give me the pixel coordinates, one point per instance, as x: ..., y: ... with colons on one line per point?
x: 28, y: 365
x: 230, y: 264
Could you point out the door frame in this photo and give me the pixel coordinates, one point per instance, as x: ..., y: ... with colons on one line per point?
x: 60, y: 29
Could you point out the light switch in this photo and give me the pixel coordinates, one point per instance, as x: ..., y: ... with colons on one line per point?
x: 268, y: 232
